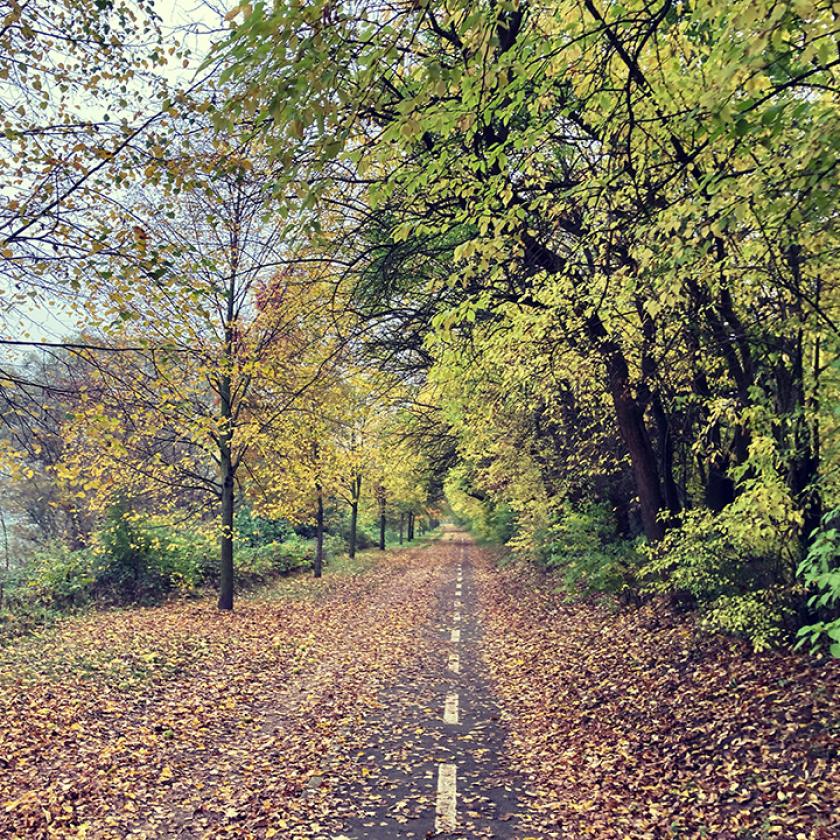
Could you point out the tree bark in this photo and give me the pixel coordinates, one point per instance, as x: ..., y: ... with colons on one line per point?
x: 382, y: 525
x: 226, y: 536
x: 226, y: 477
x: 356, y: 491
x: 631, y: 423
x: 5, y: 540
x: 227, y: 467
x: 402, y: 526
x: 666, y: 455
x: 318, y: 566
x: 628, y: 410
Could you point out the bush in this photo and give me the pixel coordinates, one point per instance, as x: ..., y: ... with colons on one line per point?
x: 254, y: 530
x: 731, y: 567
x: 131, y: 566
x: 366, y: 537
x: 256, y: 564
x: 54, y: 578
x: 820, y: 570
x: 134, y: 561
x: 583, y: 546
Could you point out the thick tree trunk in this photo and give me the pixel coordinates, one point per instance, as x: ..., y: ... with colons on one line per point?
x: 629, y: 412
x: 354, y: 525
x: 227, y: 466
x: 318, y: 566
x: 666, y: 455
x: 402, y: 526
x: 410, y: 525
x: 631, y: 423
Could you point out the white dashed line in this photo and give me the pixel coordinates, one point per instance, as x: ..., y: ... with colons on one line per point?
x: 450, y: 709
x: 455, y: 635
x: 456, y: 617
x: 455, y: 663
x: 458, y: 604
x: 447, y: 796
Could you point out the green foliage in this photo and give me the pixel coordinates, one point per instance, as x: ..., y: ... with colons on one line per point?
x: 143, y: 561
x: 55, y: 577
x: 757, y: 616
x: 731, y: 568
x: 491, y: 520
x: 254, y: 530
x: 491, y: 523
x: 257, y: 564
x: 582, y: 545
x: 820, y: 571
x: 131, y: 563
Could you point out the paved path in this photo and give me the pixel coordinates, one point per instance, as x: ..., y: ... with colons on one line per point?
x: 436, y: 764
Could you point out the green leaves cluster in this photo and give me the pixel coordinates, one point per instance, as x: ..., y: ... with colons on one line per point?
x: 633, y: 293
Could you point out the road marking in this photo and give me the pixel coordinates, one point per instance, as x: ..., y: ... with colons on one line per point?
x: 447, y: 795
x: 455, y: 635
x: 455, y: 663
x: 458, y: 603
x: 450, y: 709
x: 456, y: 618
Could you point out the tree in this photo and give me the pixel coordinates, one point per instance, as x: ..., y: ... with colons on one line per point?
x: 212, y: 353
x: 77, y: 113
x: 641, y: 191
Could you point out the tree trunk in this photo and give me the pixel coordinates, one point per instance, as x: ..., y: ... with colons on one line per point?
x: 227, y: 467
x: 354, y: 519
x: 226, y: 477
x: 402, y: 526
x: 629, y: 413
x: 226, y: 536
x: 382, y: 523
x: 666, y: 455
x: 5, y: 540
x: 410, y: 525
x: 319, y: 534
x: 634, y: 433
x: 354, y: 515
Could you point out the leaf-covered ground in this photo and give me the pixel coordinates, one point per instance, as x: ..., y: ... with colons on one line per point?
x: 314, y: 712
x: 180, y: 721
x: 633, y: 725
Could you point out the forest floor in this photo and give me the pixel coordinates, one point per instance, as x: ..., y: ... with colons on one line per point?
x: 422, y: 693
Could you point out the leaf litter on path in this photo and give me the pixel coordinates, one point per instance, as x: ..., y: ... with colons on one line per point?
x: 631, y: 724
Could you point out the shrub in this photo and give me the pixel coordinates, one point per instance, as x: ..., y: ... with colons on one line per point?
x: 255, y: 564
x: 734, y: 565
x: 132, y: 560
x: 254, y: 530
x: 583, y: 546
x: 55, y: 577
x: 129, y: 566
x: 820, y: 570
